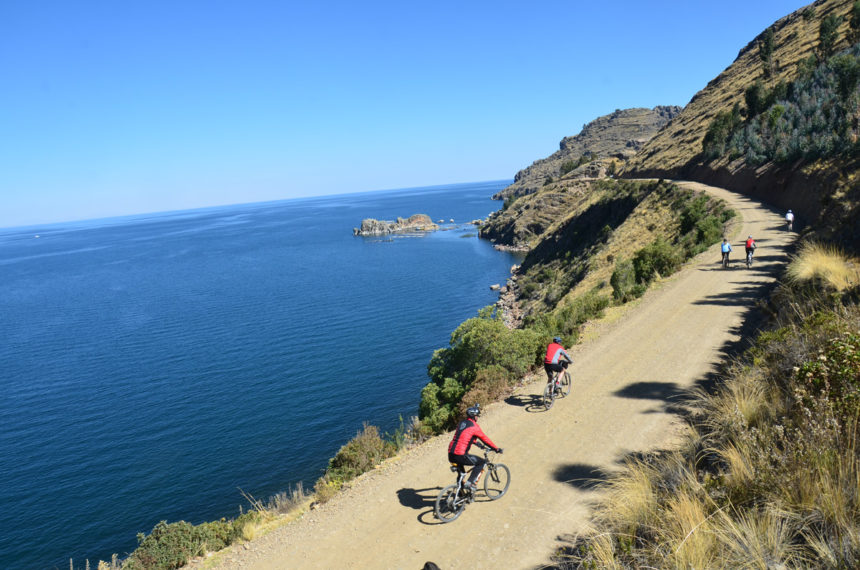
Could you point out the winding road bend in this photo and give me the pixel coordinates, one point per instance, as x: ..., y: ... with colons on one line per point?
x: 625, y: 381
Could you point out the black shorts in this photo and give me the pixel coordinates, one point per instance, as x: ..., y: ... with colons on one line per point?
x: 551, y: 367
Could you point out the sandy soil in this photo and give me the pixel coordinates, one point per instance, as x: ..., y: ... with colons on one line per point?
x: 626, y: 376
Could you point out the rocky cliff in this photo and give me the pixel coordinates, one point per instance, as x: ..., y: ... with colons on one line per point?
x: 414, y: 223
x: 603, y: 145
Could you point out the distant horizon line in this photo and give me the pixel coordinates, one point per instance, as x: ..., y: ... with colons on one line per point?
x: 123, y: 217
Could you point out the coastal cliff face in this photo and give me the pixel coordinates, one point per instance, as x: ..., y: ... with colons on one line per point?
x: 414, y: 223
x: 602, y: 146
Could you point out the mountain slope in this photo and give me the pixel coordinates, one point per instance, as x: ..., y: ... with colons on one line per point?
x: 824, y: 191
x: 612, y: 138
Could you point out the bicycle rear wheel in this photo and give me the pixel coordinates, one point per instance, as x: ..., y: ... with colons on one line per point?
x: 565, y: 383
x: 448, y: 506
x: 497, y: 481
x: 549, y: 395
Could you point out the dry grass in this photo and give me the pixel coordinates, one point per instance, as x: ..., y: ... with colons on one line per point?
x: 630, y: 502
x: 826, y: 265
x: 758, y: 539
x: 687, y: 532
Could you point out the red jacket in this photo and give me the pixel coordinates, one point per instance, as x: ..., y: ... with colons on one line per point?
x: 467, y: 432
x: 554, y: 352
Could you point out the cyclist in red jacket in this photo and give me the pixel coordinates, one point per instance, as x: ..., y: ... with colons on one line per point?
x: 749, y: 247
x: 556, y: 359
x: 468, y: 431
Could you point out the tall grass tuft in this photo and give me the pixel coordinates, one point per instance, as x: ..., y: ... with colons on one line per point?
x: 826, y: 265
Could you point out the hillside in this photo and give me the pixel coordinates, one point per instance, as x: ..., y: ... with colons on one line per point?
x: 603, y: 144
x: 774, y: 59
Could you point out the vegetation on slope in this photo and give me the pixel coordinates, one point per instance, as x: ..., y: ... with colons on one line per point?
x: 813, y: 117
x: 774, y: 57
x: 769, y: 474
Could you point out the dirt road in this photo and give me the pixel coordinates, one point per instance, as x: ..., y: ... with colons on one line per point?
x: 624, y: 383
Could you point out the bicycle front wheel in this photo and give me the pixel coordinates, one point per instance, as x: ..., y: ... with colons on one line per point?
x: 497, y: 480
x: 565, y: 383
x: 448, y: 505
x: 549, y: 395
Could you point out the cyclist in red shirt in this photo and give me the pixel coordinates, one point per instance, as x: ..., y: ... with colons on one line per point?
x: 556, y: 359
x: 750, y: 246
x: 468, y: 431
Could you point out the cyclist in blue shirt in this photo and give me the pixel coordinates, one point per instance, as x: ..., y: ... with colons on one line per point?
x: 725, y: 248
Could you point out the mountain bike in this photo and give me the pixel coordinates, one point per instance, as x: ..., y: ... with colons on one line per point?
x: 749, y: 258
x: 453, y: 499
x: 559, y: 386
x: 725, y: 261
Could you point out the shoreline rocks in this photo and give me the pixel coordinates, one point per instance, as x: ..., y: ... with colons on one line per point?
x: 414, y: 223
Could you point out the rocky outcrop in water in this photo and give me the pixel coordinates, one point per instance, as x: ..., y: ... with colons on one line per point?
x: 415, y: 223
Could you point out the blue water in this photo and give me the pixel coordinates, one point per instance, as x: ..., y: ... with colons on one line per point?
x: 153, y: 365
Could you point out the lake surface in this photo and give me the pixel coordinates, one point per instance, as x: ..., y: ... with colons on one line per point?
x: 153, y: 365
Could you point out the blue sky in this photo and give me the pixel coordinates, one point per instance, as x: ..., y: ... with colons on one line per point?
x: 111, y: 108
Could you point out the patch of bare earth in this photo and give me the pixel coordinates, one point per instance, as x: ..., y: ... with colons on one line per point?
x: 628, y: 374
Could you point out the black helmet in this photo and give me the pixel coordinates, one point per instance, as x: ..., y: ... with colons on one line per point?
x: 474, y: 411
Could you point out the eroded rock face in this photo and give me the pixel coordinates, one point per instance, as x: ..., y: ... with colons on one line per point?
x: 414, y: 223
x: 607, y: 141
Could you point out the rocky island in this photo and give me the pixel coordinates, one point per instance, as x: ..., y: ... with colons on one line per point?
x: 415, y: 223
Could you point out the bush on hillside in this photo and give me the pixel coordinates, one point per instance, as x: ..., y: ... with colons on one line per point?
x: 490, y: 385
x: 478, y: 344
x: 360, y: 454
x: 658, y: 258
x: 810, y: 118
x: 172, y: 545
x: 566, y: 319
x: 623, y: 281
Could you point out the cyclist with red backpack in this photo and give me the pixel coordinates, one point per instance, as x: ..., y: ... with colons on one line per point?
x: 468, y: 432
x: 749, y: 246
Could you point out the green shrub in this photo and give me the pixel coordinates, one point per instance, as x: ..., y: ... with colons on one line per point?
x: 490, y: 384
x: 172, y: 545
x: 708, y: 231
x: 623, y: 281
x: 835, y: 374
x: 360, y: 454
x: 657, y: 258
x: 828, y: 35
x: 478, y: 344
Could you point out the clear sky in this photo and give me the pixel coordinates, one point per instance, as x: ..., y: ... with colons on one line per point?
x: 120, y: 107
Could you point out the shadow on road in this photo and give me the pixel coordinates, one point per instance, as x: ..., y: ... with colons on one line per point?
x: 418, y: 498
x: 421, y: 500
x: 533, y: 403
x: 580, y: 476
x: 669, y: 393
